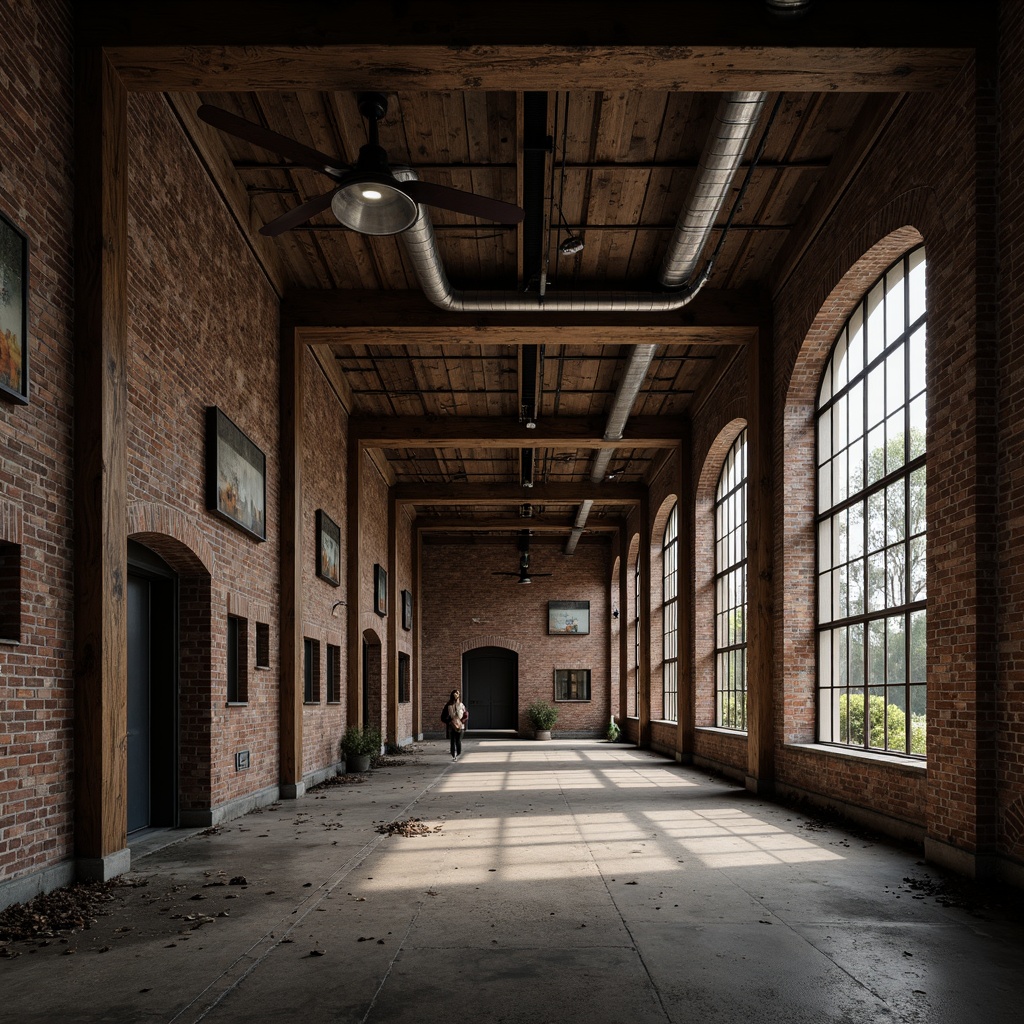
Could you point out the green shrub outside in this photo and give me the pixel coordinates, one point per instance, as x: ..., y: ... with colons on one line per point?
x: 359, y: 740
x: 851, y: 710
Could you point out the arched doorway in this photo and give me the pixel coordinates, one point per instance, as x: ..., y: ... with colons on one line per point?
x: 152, y: 690
x: 490, y: 687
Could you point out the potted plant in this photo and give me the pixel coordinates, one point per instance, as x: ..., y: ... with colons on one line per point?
x: 542, y: 716
x: 358, y: 745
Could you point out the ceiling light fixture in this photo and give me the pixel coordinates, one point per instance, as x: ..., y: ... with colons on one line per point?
x: 571, y: 245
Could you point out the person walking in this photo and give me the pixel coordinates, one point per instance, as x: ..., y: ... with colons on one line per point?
x: 456, y: 715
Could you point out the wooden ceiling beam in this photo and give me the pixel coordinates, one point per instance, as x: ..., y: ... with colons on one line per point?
x: 437, y: 68
x: 451, y: 524
x: 358, y: 317
x: 502, y: 494
x: 489, y: 432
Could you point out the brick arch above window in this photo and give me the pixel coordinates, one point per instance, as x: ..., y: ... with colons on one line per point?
x: 491, y: 640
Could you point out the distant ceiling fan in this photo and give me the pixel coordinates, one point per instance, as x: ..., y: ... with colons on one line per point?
x: 524, y: 574
x: 367, y: 198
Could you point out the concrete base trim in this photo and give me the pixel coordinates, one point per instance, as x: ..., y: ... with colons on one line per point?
x: 896, y: 827
x: 21, y: 890
x: 204, y: 818
x: 102, y: 869
x: 292, y: 790
x: 730, y: 771
x: 311, y: 779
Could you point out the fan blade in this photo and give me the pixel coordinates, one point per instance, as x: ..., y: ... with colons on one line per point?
x: 266, y: 139
x: 462, y: 202
x: 293, y: 218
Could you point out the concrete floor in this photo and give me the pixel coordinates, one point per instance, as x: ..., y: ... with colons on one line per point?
x: 569, y: 880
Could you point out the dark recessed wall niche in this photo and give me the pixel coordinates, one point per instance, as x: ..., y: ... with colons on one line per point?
x: 10, y: 592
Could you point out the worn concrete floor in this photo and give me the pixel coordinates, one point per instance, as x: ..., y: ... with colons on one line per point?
x: 561, y: 881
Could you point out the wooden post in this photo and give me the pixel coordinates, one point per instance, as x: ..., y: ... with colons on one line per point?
x: 390, y: 680
x: 760, y: 561
x: 101, y: 468
x: 416, y: 681
x: 685, y: 549
x: 644, y: 555
x: 355, y: 594
x: 290, y: 719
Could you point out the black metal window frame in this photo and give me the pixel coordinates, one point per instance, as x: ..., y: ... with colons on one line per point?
x: 730, y: 586
x: 670, y: 617
x: 871, y: 654
x: 636, y: 635
x: 310, y: 671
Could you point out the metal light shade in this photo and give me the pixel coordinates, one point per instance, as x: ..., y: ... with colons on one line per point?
x: 372, y: 205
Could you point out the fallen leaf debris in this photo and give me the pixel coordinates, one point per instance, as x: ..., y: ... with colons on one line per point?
x: 409, y: 827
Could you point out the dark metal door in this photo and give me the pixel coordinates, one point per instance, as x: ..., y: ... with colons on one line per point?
x: 490, y: 685
x: 139, y: 683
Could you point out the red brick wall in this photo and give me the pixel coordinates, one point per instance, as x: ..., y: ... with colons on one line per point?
x: 36, y: 696
x: 404, y: 643
x: 203, y: 330
x: 465, y: 606
x: 324, y: 471
x: 1009, y: 709
x: 373, y: 541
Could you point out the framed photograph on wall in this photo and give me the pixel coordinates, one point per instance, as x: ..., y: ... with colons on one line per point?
x: 406, y: 609
x: 569, y: 617
x: 380, y: 589
x: 328, y: 548
x: 572, y: 684
x: 236, y: 475
x: 13, y: 313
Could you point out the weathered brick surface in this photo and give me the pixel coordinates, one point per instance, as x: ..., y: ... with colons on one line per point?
x: 36, y: 190
x: 203, y: 330
x: 465, y: 606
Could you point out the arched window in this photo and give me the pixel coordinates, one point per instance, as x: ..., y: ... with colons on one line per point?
x: 636, y: 637
x: 731, y: 589
x: 871, y: 520
x: 670, y: 616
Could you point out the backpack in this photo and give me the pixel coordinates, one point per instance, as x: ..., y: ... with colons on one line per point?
x: 445, y: 717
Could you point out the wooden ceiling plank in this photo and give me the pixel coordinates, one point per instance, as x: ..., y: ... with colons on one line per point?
x: 501, y: 493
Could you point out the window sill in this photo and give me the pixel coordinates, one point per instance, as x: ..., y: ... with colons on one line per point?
x: 911, y: 767
x: 718, y: 730
x: 6, y: 641
x: 237, y: 704
x: 663, y: 721
x: 263, y: 668
x: 311, y: 703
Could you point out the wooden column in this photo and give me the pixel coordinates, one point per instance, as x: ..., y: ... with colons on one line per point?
x: 644, y: 709
x: 416, y: 681
x: 760, y: 561
x: 390, y: 680
x: 290, y: 718
x: 685, y: 552
x: 355, y: 592
x: 101, y: 468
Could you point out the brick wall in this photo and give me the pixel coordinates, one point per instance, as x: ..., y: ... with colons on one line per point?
x: 203, y: 330
x: 36, y: 190
x: 373, y: 546
x: 465, y: 606
x: 324, y: 471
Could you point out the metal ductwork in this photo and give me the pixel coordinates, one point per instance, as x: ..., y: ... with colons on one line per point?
x: 788, y: 8
x: 734, y: 124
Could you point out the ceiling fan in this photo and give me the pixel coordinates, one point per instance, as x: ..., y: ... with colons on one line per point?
x: 366, y: 197
x: 524, y: 574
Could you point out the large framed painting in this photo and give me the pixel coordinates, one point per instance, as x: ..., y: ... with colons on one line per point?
x: 13, y: 313
x: 380, y: 589
x: 328, y: 548
x: 236, y: 475
x: 569, y: 617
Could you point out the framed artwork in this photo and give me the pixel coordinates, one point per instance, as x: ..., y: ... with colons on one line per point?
x: 406, y: 609
x: 236, y: 475
x: 13, y: 313
x: 380, y: 589
x: 572, y: 684
x: 328, y: 548
x: 571, y: 617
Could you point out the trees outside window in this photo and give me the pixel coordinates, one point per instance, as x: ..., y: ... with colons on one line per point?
x: 670, y: 616
x: 871, y: 521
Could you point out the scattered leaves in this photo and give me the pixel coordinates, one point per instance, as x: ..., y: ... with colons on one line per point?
x: 409, y: 827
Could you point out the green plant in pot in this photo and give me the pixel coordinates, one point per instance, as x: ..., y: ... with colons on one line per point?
x: 542, y: 717
x: 358, y: 745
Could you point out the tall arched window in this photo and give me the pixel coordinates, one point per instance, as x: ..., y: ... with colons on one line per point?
x: 670, y: 616
x: 731, y: 589
x: 871, y: 520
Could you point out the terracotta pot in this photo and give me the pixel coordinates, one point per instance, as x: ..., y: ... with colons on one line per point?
x: 542, y: 734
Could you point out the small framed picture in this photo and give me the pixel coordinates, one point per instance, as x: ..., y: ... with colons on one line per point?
x: 380, y: 589
x: 572, y: 684
x: 13, y: 313
x: 328, y: 548
x: 406, y: 609
x: 569, y: 617
x: 236, y: 475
